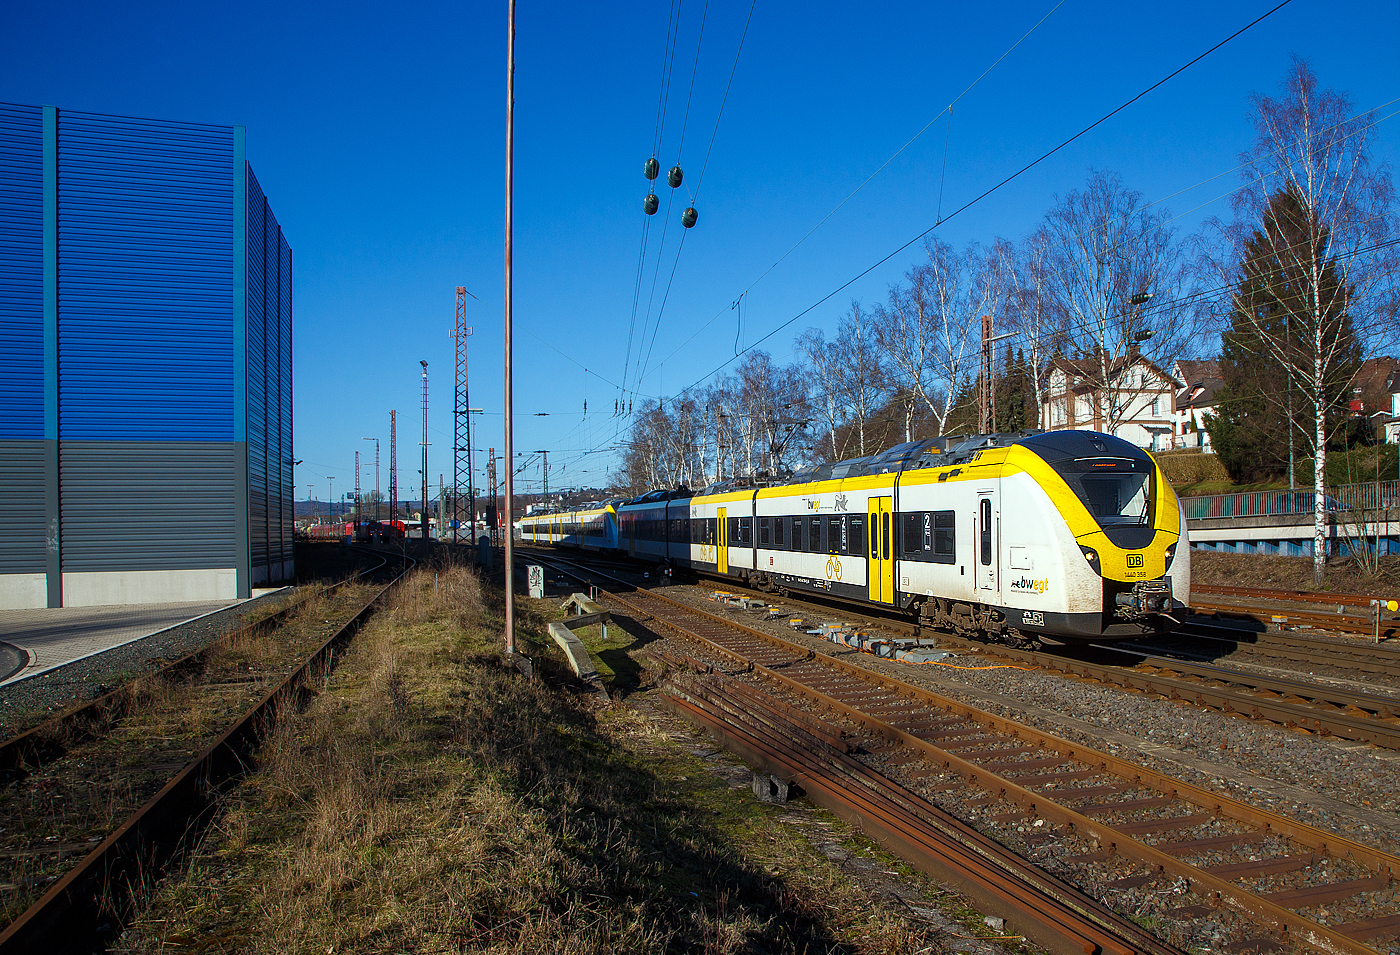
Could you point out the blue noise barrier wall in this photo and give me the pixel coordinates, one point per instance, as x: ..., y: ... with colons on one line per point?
x: 145, y: 311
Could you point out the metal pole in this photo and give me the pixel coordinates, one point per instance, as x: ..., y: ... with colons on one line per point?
x: 393, y: 466
x: 424, y: 443
x: 509, y: 303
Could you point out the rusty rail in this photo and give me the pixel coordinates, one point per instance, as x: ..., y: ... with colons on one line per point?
x: 783, y: 669
x: 779, y: 740
x: 81, y: 910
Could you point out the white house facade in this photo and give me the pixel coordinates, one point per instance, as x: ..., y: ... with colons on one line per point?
x: 1138, y: 400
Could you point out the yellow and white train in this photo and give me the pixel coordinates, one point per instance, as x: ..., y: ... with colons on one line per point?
x: 1065, y: 535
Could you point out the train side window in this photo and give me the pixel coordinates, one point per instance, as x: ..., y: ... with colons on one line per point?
x: 986, y: 530
x: 856, y: 529
x: 944, y: 540
x: 764, y: 531
x: 798, y: 542
x: 835, y: 531
x: 746, y: 531
x: 911, y: 533
x: 778, y: 529
x: 733, y: 530
x: 814, y: 538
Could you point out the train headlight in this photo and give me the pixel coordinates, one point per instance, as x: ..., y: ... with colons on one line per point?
x: 1170, y: 553
x: 1091, y: 555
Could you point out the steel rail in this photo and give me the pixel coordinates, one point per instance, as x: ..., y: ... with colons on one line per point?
x: 1036, y: 904
x: 1277, y: 707
x: 1291, y: 596
x: 49, y: 739
x: 1272, y: 914
x: 1297, y: 648
x: 77, y: 913
x: 1339, y: 623
x: 1382, y: 707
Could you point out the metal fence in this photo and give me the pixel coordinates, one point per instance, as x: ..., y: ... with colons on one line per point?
x: 1343, y: 500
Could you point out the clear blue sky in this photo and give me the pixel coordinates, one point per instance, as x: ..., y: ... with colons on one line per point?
x: 378, y: 135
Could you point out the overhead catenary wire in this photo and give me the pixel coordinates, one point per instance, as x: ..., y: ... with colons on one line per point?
x: 662, y: 101
x: 680, y: 149
x: 895, y: 155
x: 1010, y: 178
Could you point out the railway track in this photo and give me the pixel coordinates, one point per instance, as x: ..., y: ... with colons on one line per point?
x: 100, y: 798
x: 1340, y: 613
x: 1316, y: 707
x: 1094, y: 818
x: 1298, y: 649
x: 1105, y: 819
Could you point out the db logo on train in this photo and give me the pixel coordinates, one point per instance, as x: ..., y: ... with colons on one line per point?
x: 1134, y: 560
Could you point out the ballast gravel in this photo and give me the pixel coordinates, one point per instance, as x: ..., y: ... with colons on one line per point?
x: 27, y: 702
x: 1335, y: 785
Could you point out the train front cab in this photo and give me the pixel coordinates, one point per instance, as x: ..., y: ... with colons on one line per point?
x: 1126, y: 562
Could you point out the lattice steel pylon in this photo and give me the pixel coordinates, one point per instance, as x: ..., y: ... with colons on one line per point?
x: 393, y: 466
x: 986, y: 407
x: 357, y: 494
x: 461, y: 416
x: 495, y: 492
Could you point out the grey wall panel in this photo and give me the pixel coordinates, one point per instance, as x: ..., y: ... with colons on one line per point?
x: 22, y: 504
x: 148, y: 505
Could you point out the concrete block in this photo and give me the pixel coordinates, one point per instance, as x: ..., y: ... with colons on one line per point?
x: 770, y: 788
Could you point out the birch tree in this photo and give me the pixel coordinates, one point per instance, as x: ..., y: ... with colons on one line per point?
x: 861, y: 374
x: 1317, y: 216
x: 1107, y: 253
x: 1031, y: 314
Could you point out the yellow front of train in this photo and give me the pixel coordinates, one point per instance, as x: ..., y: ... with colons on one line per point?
x: 1125, y: 519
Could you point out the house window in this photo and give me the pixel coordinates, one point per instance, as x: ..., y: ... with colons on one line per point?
x: 1156, y: 402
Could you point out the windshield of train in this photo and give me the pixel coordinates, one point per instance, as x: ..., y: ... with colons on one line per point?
x: 1116, y: 490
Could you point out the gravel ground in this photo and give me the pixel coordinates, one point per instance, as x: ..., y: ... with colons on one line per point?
x: 1335, y: 785
x: 28, y: 702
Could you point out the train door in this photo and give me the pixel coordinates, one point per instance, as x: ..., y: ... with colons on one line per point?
x: 880, y: 569
x: 722, y: 539
x: 988, y: 521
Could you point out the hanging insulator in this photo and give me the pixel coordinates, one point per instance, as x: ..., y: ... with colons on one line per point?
x: 652, y: 168
x: 675, y: 176
x: 650, y: 204
x: 689, y: 216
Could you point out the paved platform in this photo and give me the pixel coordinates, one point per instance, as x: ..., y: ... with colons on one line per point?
x: 35, y: 641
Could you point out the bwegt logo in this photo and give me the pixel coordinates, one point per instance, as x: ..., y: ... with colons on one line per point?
x: 1025, y: 583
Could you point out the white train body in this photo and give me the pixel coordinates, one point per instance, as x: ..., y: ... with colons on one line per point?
x: 1070, y: 535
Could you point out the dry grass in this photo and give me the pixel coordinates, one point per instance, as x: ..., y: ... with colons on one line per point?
x: 430, y: 800
x: 1273, y: 572
x: 1189, y: 467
